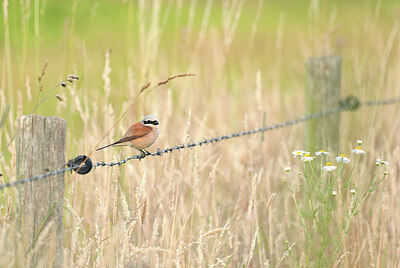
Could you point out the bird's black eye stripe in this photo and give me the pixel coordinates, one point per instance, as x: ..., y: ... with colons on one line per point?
x: 150, y: 122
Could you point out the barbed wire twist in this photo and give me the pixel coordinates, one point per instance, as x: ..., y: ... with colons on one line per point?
x: 350, y: 103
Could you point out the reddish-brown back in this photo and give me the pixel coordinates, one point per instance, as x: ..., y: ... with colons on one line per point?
x: 137, y: 130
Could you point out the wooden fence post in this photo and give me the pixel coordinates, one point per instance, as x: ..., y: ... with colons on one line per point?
x: 323, y: 93
x: 40, y: 149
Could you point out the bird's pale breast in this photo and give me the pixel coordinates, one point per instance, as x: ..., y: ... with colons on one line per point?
x: 146, y: 140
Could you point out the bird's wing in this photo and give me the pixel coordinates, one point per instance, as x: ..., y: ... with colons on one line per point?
x: 136, y: 131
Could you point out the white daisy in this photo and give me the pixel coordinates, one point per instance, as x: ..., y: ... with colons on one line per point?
x: 342, y: 158
x: 288, y: 169
x: 298, y: 153
x: 307, y: 158
x: 352, y: 191
x: 359, y: 142
x: 329, y: 167
x: 322, y: 152
x: 358, y: 150
x: 381, y: 162
x: 334, y: 193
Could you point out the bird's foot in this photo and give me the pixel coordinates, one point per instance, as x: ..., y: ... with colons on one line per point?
x: 143, y: 153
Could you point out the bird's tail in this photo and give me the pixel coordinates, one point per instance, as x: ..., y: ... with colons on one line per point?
x: 106, y: 146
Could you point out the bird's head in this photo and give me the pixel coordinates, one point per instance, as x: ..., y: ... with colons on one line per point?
x: 150, y: 120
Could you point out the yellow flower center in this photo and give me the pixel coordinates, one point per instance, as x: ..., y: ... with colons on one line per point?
x: 328, y: 164
x: 342, y: 155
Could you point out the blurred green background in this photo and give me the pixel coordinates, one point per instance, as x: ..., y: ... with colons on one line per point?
x: 68, y: 33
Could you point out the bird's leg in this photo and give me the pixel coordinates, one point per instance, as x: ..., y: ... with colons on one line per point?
x: 143, y: 153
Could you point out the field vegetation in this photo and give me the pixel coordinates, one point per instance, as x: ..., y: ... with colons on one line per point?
x: 232, y: 203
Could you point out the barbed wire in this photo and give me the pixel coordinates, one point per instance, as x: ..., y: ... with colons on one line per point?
x: 83, y: 165
x: 382, y: 102
x: 221, y: 138
x: 36, y: 178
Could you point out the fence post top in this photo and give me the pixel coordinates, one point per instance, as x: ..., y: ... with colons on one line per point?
x: 325, y: 58
x: 40, y: 116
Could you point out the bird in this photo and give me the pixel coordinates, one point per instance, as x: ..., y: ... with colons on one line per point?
x: 140, y: 135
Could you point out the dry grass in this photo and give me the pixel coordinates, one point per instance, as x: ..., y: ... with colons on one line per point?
x: 220, y: 205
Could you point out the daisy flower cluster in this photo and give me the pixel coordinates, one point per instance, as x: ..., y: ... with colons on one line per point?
x: 342, y: 158
x: 338, y: 161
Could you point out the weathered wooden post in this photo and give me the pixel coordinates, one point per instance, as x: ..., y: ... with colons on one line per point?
x: 323, y: 93
x: 40, y: 149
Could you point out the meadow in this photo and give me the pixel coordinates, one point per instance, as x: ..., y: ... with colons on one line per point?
x: 233, y: 203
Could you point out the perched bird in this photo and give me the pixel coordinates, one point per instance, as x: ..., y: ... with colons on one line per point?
x: 140, y: 135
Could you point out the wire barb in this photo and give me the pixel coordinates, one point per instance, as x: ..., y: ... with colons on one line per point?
x: 351, y: 103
